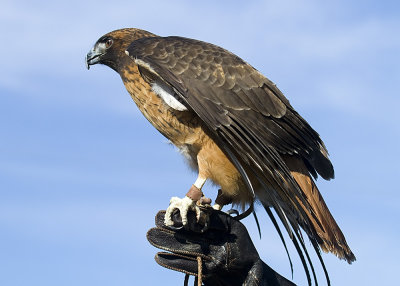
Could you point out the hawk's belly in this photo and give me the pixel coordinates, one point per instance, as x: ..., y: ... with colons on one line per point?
x: 184, y: 130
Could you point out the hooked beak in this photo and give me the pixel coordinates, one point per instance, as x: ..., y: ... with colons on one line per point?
x: 93, y: 57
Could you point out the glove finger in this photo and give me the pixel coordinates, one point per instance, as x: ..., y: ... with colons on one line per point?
x: 159, y: 220
x: 181, y: 263
x: 191, y: 225
x: 175, y: 217
x: 219, y: 221
x: 181, y: 243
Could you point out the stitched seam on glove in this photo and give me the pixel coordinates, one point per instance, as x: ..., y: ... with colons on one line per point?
x: 176, y: 250
x: 228, y: 255
x: 173, y: 268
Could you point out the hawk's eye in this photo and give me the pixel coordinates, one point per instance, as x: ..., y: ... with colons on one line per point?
x: 109, y: 43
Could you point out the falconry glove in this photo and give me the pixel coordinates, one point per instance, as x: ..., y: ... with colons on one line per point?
x: 224, y: 255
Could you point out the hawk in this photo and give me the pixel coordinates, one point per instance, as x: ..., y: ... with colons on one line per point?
x: 234, y: 126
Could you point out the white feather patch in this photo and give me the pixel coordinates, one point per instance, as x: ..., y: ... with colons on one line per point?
x: 145, y: 65
x: 163, y: 91
x: 184, y: 150
x: 167, y: 95
x: 189, y: 155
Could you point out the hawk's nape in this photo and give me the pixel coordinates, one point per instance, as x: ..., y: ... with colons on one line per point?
x: 234, y: 126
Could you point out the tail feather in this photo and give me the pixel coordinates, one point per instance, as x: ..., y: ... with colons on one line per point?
x: 329, y: 236
x: 318, y: 252
x: 278, y: 229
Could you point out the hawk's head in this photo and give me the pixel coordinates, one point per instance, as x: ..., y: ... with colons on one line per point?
x: 110, y: 49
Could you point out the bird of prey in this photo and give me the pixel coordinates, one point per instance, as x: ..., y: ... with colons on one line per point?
x: 234, y: 126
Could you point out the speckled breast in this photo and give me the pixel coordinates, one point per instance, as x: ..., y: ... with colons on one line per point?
x: 180, y: 127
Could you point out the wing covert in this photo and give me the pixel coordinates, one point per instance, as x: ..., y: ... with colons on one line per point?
x: 225, y: 85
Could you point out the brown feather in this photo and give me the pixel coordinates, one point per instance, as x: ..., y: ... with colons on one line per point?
x: 330, y: 237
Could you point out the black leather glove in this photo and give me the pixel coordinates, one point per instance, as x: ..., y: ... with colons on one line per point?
x: 224, y: 254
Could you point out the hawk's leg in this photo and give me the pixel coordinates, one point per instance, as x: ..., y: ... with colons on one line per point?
x: 190, y: 202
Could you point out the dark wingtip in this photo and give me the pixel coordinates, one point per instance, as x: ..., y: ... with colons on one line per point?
x: 324, y: 167
x: 350, y: 257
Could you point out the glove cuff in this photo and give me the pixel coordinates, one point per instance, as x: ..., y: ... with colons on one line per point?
x: 263, y: 275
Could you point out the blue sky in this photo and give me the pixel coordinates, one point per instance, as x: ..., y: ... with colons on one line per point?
x: 82, y: 173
